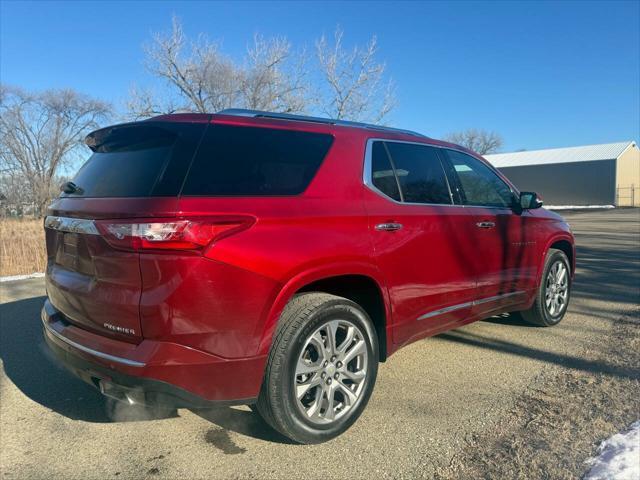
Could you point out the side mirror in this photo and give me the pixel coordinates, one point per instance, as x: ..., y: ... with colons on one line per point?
x: 529, y: 201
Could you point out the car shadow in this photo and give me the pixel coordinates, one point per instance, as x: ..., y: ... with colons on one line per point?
x: 245, y: 422
x: 32, y: 368
x: 511, y: 319
x: 567, y: 361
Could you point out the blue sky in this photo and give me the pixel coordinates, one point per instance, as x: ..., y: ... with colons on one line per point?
x: 542, y: 74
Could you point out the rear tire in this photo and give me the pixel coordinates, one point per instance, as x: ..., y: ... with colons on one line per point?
x: 552, y: 298
x: 321, y: 368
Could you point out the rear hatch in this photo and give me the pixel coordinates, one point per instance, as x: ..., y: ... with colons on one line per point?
x: 135, y: 172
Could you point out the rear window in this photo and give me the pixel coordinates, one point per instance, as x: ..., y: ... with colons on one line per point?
x: 384, y: 178
x: 137, y: 160
x: 420, y: 173
x: 255, y: 161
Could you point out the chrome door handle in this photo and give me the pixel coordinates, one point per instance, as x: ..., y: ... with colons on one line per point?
x: 388, y: 227
x: 485, y: 224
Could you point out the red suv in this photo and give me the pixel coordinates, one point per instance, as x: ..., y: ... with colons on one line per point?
x: 273, y: 260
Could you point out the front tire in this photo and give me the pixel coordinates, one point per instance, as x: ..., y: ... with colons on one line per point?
x: 321, y: 368
x: 553, y: 295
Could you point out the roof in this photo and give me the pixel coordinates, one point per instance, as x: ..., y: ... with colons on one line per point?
x: 587, y: 153
x: 241, y: 112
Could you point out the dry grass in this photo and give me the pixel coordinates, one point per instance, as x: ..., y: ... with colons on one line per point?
x: 22, y: 247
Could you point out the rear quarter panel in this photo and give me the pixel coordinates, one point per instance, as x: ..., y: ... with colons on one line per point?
x: 247, y: 278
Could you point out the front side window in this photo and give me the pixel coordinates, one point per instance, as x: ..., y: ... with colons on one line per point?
x: 252, y: 161
x: 480, y: 185
x: 420, y: 173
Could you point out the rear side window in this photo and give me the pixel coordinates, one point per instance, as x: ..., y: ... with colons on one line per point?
x: 137, y: 160
x: 420, y: 173
x: 382, y: 174
x: 255, y: 161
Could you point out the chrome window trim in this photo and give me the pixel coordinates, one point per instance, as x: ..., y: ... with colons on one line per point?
x: 460, y: 306
x: 71, y: 225
x: 90, y: 351
x: 368, y: 180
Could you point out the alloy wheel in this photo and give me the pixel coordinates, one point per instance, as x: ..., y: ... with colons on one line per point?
x: 331, y: 371
x: 557, y: 288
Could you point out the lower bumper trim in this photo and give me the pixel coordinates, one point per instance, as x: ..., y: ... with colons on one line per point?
x: 132, y: 389
x: 90, y: 351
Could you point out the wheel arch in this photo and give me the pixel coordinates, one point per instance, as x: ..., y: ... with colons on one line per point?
x: 361, y: 284
x: 566, y: 244
x: 567, y: 248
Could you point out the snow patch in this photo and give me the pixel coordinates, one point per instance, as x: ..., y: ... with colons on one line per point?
x: 577, y: 207
x: 13, y: 278
x: 618, y: 457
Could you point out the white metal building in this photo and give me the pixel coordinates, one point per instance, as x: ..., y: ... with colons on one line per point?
x: 606, y: 174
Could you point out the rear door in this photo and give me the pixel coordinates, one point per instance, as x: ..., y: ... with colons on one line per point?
x: 502, y: 238
x: 135, y: 171
x: 419, y: 238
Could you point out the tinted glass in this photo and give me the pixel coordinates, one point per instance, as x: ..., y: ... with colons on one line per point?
x: 255, y: 161
x: 137, y: 160
x: 480, y: 185
x: 382, y: 174
x: 420, y: 173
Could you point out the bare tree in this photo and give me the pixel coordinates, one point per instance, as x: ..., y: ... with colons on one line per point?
x: 12, y: 188
x: 144, y: 103
x: 201, y: 79
x: 355, y: 83
x: 40, y: 132
x: 273, y: 76
x: 480, y: 141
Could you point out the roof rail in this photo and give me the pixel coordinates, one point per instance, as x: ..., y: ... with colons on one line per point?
x: 242, y: 112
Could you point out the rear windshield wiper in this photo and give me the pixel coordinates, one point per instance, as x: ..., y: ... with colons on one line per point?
x: 70, y: 187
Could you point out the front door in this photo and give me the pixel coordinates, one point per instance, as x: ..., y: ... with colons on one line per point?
x: 503, y: 238
x: 420, y: 239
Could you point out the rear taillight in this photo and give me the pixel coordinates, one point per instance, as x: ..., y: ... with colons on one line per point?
x: 169, y: 234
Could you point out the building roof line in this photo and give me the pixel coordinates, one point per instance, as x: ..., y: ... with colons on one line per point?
x: 583, y: 153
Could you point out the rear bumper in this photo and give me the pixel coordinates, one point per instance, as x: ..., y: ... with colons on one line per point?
x: 152, y: 371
